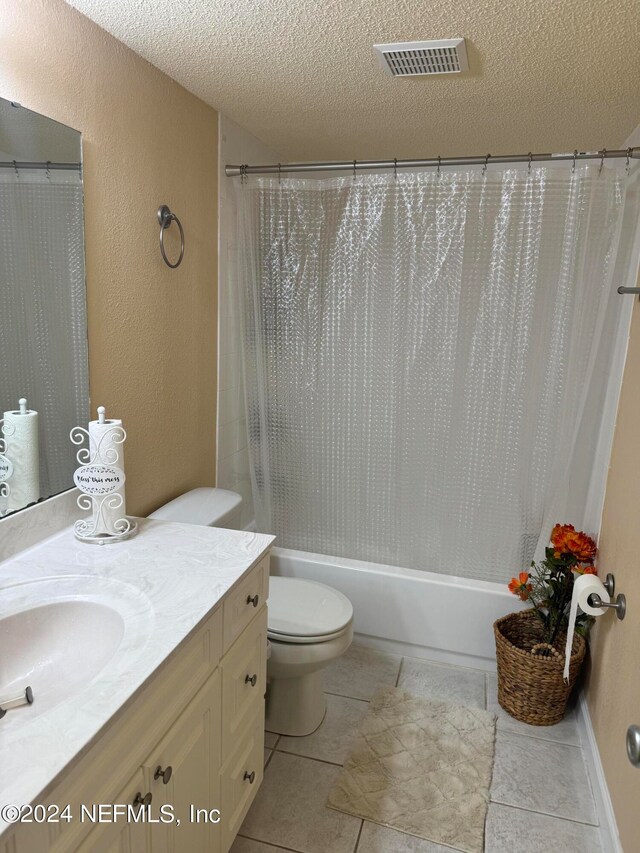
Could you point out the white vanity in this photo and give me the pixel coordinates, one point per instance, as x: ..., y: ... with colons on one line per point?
x: 147, y: 661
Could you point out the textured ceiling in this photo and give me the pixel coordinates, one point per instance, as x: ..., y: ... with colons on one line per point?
x: 545, y: 75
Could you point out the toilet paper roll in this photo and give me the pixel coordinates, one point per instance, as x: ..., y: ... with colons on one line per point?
x: 21, y: 435
x: 107, y: 448
x: 583, y: 587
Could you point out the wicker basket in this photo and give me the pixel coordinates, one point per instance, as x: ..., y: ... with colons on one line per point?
x: 530, y: 686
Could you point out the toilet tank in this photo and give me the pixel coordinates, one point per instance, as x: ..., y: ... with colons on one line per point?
x: 207, y: 506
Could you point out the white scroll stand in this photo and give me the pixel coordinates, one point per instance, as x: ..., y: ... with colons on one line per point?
x: 101, y: 481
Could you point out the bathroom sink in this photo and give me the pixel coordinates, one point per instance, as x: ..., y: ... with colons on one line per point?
x: 57, y: 636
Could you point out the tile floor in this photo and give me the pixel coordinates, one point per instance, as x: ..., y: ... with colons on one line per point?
x: 541, y: 798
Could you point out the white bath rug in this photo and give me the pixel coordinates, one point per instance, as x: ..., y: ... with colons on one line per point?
x: 422, y: 767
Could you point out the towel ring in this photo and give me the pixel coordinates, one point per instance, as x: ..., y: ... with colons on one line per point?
x: 165, y: 218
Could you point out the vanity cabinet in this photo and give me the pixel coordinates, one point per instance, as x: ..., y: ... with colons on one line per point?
x: 189, y: 743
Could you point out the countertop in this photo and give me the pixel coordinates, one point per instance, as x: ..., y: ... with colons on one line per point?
x: 164, y: 582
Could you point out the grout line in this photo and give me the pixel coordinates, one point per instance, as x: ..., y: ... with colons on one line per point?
x: 355, y: 849
x: 399, y: 671
x: 310, y: 758
x: 345, y: 696
x: 449, y: 665
x: 268, y: 761
x: 545, y: 814
x: 519, y: 734
x: 269, y: 844
x: 486, y: 697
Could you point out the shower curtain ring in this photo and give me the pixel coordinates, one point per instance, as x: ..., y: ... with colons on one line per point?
x: 48, y: 172
x: 279, y: 172
x: 395, y: 168
x: 575, y: 154
x: 628, y: 166
x: 530, y: 159
x: 15, y: 168
x: 439, y: 158
x: 486, y: 163
x: 603, y: 154
x: 354, y: 170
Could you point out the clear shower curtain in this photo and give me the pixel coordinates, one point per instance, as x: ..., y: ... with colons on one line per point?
x: 426, y: 358
x: 42, y: 289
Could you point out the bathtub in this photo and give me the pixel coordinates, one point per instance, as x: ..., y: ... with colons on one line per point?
x: 405, y: 611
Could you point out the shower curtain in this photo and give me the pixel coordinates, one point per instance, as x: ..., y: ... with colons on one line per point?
x: 43, y: 343
x: 427, y: 358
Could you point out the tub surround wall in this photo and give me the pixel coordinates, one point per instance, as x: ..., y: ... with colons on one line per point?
x: 236, y: 145
x: 146, y: 141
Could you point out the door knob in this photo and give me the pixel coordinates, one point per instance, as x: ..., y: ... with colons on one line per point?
x: 253, y: 599
x: 633, y: 745
x: 250, y: 777
x: 251, y: 679
x: 139, y: 800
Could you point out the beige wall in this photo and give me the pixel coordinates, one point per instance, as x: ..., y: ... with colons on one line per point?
x: 146, y: 141
x: 614, y: 684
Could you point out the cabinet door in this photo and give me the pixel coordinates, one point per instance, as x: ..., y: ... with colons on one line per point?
x: 121, y: 836
x: 191, y: 749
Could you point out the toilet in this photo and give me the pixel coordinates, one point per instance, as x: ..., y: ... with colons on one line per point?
x: 310, y: 624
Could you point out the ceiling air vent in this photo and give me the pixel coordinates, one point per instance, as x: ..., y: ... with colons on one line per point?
x: 415, y: 58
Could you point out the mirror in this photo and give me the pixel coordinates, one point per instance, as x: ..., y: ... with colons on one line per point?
x: 43, y: 325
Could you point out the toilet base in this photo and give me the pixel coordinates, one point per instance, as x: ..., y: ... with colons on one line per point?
x: 295, y: 706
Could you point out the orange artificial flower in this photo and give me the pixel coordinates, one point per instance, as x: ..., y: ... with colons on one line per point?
x: 519, y: 586
x: 567, y: 540
x: 585, y: 570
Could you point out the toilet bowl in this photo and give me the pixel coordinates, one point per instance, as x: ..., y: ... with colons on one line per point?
x: 309, y: 624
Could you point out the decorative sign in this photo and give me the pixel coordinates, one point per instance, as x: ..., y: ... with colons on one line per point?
x: 99, y: 479
x: 6, y: 468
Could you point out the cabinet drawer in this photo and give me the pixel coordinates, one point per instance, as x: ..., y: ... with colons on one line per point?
x: 241, y: 605
x: 244, y: 678
x: 240, y: 779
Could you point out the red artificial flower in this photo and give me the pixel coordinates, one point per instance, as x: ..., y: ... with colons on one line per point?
x: 520, y: 586
x: 589, y: 569
x: 567, y: 540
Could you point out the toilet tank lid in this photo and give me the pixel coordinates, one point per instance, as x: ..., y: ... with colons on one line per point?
x: 199, y: 506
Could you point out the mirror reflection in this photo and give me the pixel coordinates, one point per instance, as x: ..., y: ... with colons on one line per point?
x: 44, y: 384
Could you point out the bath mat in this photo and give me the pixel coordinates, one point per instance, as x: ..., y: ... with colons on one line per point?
x: 422, y: 767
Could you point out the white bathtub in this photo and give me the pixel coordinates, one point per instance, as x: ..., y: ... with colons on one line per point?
x: 422, y: 614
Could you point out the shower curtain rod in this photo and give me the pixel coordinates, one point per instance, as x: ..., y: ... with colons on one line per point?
x: 360, y: 165
x: 16, y: 164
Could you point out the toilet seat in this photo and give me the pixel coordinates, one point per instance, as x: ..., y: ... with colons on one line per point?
x: 303, y: 611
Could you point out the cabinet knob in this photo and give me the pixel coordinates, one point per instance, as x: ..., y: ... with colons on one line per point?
x: 253, y: 599
x: 251, y: 679
x: 633, y: 745
x: 139, y: 800
x: 165, y: 774
x: 250, y: 777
